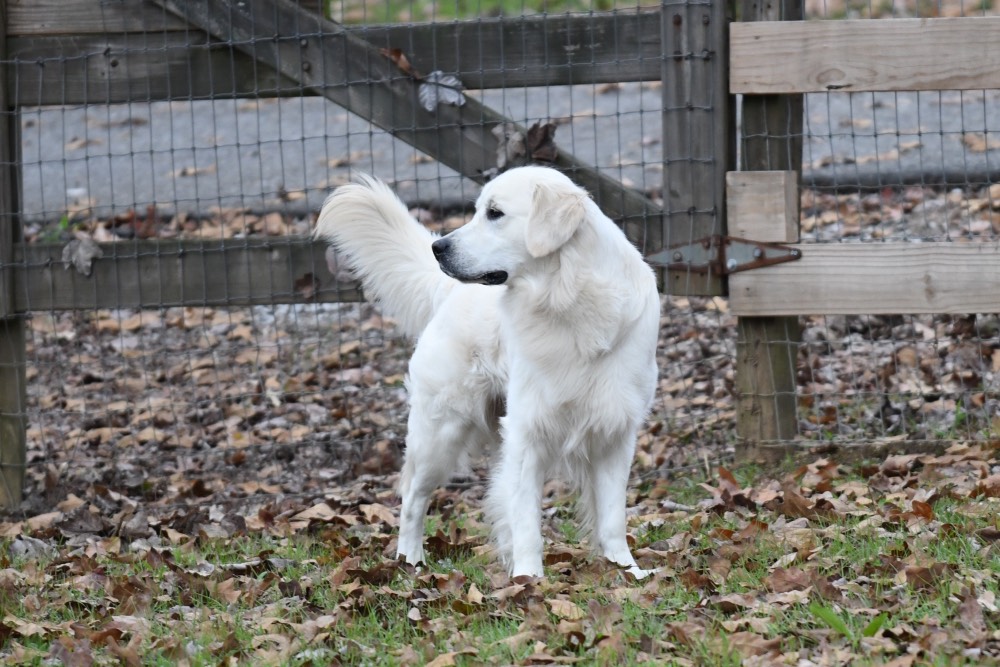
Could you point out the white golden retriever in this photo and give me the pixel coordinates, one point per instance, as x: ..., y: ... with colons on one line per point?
x: 537, y: 325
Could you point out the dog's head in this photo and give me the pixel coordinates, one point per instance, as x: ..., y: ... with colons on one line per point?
x: 523, y: 215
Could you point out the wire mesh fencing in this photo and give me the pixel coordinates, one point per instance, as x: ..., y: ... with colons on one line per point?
x: 219, y: 359
x: 153, y: 158
x: 913, y: 167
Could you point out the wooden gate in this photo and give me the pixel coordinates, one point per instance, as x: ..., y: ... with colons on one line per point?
x: 142, y: 51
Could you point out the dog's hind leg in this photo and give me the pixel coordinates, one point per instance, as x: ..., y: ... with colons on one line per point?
x: 434, y: 450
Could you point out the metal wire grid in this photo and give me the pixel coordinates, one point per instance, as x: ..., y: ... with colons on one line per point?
x: 901, y: 166
x: 241, y: 405
x: 128, y: 381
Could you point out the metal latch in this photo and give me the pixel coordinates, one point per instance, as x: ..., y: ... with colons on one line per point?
x: 721, y: 255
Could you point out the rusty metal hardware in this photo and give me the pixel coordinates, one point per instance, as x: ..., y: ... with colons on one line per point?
x: 721, y: 255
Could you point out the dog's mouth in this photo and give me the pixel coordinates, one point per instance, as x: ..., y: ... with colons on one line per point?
x: 493, y: 278
x: 488, y: 278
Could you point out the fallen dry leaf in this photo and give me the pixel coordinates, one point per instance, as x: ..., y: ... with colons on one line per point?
x: 782, y: 580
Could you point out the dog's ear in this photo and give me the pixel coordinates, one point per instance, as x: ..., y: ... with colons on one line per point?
x: 556, y: 212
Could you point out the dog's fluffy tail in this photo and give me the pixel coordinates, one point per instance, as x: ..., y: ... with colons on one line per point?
x: 386, y: 249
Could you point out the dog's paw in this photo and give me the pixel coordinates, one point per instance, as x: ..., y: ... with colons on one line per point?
x: 527, y: 574
x: 411, y: 556
x: 621, y: 557
x: 640, y: 573
x: 527, y: 567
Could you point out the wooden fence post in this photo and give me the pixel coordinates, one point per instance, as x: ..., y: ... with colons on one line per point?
x: 767, y: 347
x: 12, y: 341
x: 699, y: 135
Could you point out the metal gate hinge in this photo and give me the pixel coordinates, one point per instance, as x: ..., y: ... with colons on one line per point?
x: 721, y: 255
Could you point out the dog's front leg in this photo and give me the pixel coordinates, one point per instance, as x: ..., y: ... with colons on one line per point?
x: 516, y: 496
x: 610, y: 487
x: 415, y: 495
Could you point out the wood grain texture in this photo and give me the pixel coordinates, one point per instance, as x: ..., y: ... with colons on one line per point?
x: 865, y: 55
x: 767, y: 347
x: 763, y: 205
x: 520, y: 51
x: 131, y: 67
x: 100, y: 62
x: 154, y: 274
x: 80, y: 17
x: 875, y: 279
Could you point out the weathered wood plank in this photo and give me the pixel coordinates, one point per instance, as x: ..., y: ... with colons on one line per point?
x: 698, y: 139
x: 10, y: 226
x: 766, y: 348
x: 763, y: 205
x: 875, y: 279
x: 119, y: 67
x: 235, y: 272
x: 326, y: 58
x: 865, y: 55
x: 514, y: 52
x: 13, y: 412
x: 131, y: 67
x: 13, y: 357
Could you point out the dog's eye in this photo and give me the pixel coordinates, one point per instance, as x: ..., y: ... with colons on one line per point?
x: 493, y: 213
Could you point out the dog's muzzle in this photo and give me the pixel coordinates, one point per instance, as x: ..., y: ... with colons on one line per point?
x: 443, y: 250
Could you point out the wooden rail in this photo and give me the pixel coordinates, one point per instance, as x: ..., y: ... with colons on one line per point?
x: 134, y: 51
x: 874, y: 279
x: 864, y: 55
x: 231, y: 272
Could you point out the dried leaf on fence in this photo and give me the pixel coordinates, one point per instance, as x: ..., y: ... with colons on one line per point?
x: 400, y: 60
x: 440, y: 88
x: 80, y: 254
x: 541, y: 142
x: 511, y: 149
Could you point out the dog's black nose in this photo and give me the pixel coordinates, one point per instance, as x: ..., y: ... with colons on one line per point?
x: 440, y: 247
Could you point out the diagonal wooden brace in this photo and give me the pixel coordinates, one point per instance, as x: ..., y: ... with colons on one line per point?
x: 324, y: 57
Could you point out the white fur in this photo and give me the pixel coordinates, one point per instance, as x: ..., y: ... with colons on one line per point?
x: 568, y: 343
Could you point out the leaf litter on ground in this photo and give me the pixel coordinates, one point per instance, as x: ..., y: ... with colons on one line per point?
x: 887, y: 562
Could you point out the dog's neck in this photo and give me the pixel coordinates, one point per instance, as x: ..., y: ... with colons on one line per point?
x: 572, y: 291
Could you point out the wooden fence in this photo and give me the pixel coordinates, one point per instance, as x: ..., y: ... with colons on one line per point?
x: 139, y: 51
x: 278, y: 48
x: 772, y: 60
